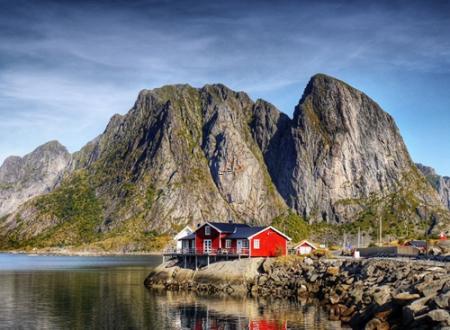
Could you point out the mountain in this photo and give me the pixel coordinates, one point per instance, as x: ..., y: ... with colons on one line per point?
x: 440, y: 183
x: 183, y: 155
x: 36, y: 173
x: 342, y: 159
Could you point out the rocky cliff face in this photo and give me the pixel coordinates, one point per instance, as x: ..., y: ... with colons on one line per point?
x: 36, y: 173
x: 341, y: 158
x: 183, y: 155
x: 440, y: 183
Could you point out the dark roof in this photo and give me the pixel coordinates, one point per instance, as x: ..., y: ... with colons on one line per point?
x: 227, y: 227
x: 190, y: 236
x: 419, y: 244
x: 245, y: 232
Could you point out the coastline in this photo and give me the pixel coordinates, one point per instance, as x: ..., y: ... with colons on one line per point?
x: 366, y: 293
x: 80, y: 253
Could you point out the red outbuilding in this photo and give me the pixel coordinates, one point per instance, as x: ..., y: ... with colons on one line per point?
x: 219, y: 238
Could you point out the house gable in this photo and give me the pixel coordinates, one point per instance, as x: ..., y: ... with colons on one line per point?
x: 305, y: 243
x: 268, y: 242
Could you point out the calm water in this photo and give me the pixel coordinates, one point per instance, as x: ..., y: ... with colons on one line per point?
x: 47, y: 292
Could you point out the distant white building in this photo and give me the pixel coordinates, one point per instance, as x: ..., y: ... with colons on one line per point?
x: 305, y: 247
x: 183, y: 233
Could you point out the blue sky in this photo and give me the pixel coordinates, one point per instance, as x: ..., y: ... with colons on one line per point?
x: 67, y: 66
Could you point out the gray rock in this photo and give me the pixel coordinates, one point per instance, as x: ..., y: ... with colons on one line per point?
x: 342, y: 149
x: 431, y: 287
x: 36, y: 173
x: 185, y: 155
x: 440, y: 183
x: 308, y: 261
x: 417, y: 308
x: 405, y: 297
x: 443, y: 300
x: 439, y: 315
x: 382, y: 295
x: 377, y: 324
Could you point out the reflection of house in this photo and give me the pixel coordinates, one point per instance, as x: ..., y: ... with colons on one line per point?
x: 267, y: 325
x: 218, y: 238
x: 183, y: 233
x: 305, y: 247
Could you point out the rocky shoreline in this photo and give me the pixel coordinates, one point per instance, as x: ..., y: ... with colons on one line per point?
x: 370, y: 294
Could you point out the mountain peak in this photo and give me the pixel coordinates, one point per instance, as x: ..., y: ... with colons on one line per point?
x: 22, y: 178
x: 52, y: 146
x: 184, y: 154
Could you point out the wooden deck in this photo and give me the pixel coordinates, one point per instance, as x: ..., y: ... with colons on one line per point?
x: 231, y: 252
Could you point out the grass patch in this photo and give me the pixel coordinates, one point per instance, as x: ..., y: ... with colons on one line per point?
x: 292, y: 225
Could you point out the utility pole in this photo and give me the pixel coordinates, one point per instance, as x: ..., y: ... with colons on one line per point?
x: 359, y: 237
x: 381, y: 232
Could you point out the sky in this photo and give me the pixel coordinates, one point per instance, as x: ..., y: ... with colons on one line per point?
x: 67, y: 66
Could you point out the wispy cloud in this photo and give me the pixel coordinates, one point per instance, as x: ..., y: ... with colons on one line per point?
x: 66, y: 67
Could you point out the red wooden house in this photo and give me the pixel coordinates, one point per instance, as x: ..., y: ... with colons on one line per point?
x: 218, y: 238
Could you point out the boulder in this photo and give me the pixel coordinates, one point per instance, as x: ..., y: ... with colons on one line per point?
x: 430, y: 287
x: 262, y: 279
x: 382, y: 295
x: 313, y: 277
x: 439, y: 315
x: 377, y: 324
x: 308, y: 261
x: 405, y: 298
x: 334, y: 299
x: 267, y: 265
x: 333, y: 271
x: 443, y: 300
x: 417, y: 308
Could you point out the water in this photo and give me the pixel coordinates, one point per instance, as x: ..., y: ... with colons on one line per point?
x: 48, y: 292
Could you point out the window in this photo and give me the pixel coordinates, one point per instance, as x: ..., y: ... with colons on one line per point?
x: 256, y: 243
x: 245, y: 243
x: 227, y: 243
x: 207, y: 230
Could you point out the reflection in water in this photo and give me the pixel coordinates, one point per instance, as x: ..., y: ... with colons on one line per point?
x: 90, y: 293
x: 188, y: 311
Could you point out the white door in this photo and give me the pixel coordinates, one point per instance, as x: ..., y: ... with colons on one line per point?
x: 305, y: 249
x: 239, y: 246
x: 207, y: 245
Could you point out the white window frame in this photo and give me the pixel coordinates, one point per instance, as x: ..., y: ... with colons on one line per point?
x: 228, y: 243
x: 256, y: 244
x: 207, y: 230
x: 205, y: 248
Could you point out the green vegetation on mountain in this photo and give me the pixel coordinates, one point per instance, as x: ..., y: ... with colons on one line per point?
x: 184, y: 155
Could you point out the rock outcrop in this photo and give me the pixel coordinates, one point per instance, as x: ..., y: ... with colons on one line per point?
x: 22, y: 178
x: 184, y: 155
x: 370, y: 294
x: 338, y: 152
x: 440, y: 183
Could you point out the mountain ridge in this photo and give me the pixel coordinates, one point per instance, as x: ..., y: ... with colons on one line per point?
x: 439, y: 182
x: 35, y: 173
x: 183, y: 155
